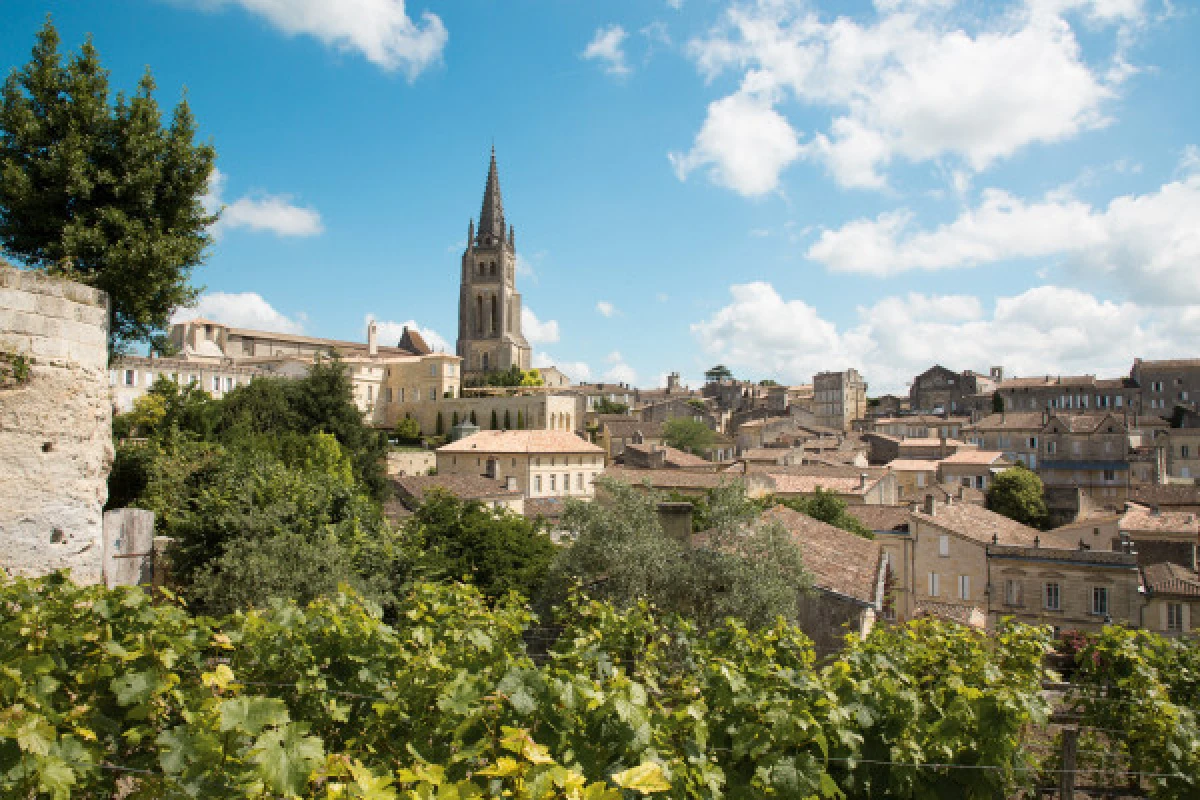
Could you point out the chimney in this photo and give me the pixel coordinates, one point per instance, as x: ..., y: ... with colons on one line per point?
x: 373, y: 339
x: 676, y: 521
x: 510, y: 483
x: 930, y: 505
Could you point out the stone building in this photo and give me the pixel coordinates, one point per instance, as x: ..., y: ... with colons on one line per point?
x: 1182, y: 447
x: 543, y: 463
x: 1159, y: 536
x: 55, y: 425
x: 1166, y: 384
x: 133, y: 376
x: 973, y: 468
x: 920, y: 426
x: 1015, y: 433
x: 849, y: 573
x: 1063, y: 586
x: 839, y: 399
x: 1077, y: 393
x: 1088, y: 453
x: 1172, y: 596
x: 943, y: 391
x: 489, y: 306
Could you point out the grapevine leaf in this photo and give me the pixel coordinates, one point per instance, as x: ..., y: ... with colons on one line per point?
x: 252, y: 714
x: 647, y: 778
x: 286, y: 757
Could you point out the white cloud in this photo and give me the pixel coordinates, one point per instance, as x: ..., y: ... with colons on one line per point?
x: 390, y: 332
x: 911, y: 83
x: 241, y: 310
x: 618, y: 371
x: 577, y: 371
x: 380, y: 30
x: 744, y: 142
x: 607, y: 48
x: 1147, y: 244
x: 675, y: 4
x: 1045, y: 330
x: 605, y: 308
x: 537, y: 331
x: 259, y: 213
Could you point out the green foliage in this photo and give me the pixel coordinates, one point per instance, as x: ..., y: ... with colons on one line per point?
x: 474, y: 420
x: 498, y: 551
x: 507, y: 420
x: 520, y: 420
x: 512, y: 377
x: 718, y: 373
x: 328, y: 701
x: 439, y: 426
x: 1017, y: 494
x: 495, y: 421
x: 408, y: 430
x: 698, y: 404
x: 1147, y: 687
x: 742, y: 568
x: 15, y: 369
x: 827, y: 507
x: 454, y: 420
x: 689, y: 435
x: 100, y: 190
x: 606, y: 406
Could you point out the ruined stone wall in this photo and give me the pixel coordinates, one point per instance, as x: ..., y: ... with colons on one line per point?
x: 55, y: 424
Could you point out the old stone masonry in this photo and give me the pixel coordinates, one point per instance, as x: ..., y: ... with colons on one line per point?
x: 55, y: 424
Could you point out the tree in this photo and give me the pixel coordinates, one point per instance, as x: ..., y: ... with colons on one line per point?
x: 507, y: 419
x: 454, y: 420
x: 99, y: 190
x: 606, y: 406
x: 997, y: 402
x: 495, y: 421
x: 718, y: 373
x: 408, y: 430
x: 496, y: 550
x: 827, y: 507
x: 520, y: 420
x: 474, y: 419
x: 688, y: 434
x: 1018, y: 494
x: 439, y: 427
x: 740, y: 567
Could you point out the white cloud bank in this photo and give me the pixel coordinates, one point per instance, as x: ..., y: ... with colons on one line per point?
x: 607, y: 47
x: 910, y: 83
x: 241, y: 310
x: 536, y: 331
x: 389, y: 333
x: 259, y: 213
x: 1148, y: 245
x: 380, y: 30
x: 1046, y: 329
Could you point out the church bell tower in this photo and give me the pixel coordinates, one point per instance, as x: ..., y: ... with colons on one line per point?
x: 489, y: 306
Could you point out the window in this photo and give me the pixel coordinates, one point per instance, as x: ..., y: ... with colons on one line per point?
x: 537, y: 483
x: 933, y: 584
x: 1012, y: 592
x: 1033, y: 442
x: 433, y: 370
x: 579, y: 481
x: 1099, y: 599
x: 1183, y: 451
x: 966, y: 482
x: 401, y: 394
x: 130, y: 378
x: 1110, y: 475
x: 216, y: 383
x: 1120, y: 400
x: 1051, y: 447
x: 964, y: 587
x: 370, y: 393
x: 920, y: 480
x: 566, y: 482
x: 1175, y: 617
x: 1053, y: 597
x: 552, y: 482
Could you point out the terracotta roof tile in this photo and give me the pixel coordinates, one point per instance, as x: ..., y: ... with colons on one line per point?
x: 983, y: 457
x: 1142, y: 519
x: 974, y: 522
x: 839, y: 561
x: 465, y: 487
x: 1171, y: 579
x: 539, y: 441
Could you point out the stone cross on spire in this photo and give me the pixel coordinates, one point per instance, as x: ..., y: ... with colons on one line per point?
x: 491, y: 215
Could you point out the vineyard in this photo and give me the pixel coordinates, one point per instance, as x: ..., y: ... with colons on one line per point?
x: 107, y: 694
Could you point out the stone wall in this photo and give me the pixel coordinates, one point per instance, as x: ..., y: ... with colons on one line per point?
x: 55, y: 425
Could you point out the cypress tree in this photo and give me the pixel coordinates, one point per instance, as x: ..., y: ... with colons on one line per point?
x: 507, y: 420
x: 495, y: 421
x: 440, y: 425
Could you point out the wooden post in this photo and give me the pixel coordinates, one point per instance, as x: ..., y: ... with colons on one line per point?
x: 1070, y: 744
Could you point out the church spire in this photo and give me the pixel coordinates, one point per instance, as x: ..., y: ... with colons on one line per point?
x: 491, y: 216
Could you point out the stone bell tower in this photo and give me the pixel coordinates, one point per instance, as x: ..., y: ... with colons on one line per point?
x: 489, y: 306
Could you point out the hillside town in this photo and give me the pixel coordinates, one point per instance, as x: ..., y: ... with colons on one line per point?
x: 247, y: 561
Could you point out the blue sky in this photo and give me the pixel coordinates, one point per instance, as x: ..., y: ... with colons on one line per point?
x: 784, y: 186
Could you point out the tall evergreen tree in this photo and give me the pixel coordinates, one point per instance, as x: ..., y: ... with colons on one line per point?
x: 99, y: 190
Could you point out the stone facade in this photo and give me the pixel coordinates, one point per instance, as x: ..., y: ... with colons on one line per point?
x: 839, y: 399
x: 943, y: 391
x: 55, y: 427
x: 1166, y: 384
x: 543, y: 463
x: 489, y: 306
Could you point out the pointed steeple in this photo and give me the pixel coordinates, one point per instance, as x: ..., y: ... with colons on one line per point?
x: 491, y: 215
